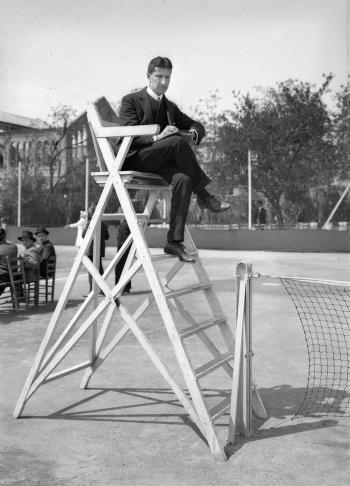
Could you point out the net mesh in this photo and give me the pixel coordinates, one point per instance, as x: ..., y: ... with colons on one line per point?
x: 324, y: 312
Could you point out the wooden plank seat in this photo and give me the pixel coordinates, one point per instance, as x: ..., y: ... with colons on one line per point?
x: 144, y: 179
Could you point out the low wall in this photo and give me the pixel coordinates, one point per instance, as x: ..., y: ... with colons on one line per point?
x: 275, y: 240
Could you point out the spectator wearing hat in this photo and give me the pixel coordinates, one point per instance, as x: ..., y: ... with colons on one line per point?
x: 45, y: 248
x: 31, y: 258
x: 80, y: 225
x: 6, y: 249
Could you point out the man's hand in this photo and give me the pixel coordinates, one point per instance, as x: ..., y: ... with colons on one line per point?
x: 188, y: 135
x: 167, y: 132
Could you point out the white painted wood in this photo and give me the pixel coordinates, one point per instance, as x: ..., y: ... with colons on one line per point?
x: 237, y: 363
x: 67, y: 371
x: 139, y: 258
x: 129, y: 131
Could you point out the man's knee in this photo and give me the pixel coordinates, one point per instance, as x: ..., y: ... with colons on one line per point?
x: 179, y: 144
x: 182, y: 182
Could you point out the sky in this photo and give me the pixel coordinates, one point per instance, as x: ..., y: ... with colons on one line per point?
x: 74, y: 51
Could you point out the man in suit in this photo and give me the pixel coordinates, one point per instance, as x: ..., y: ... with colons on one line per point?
x: 6, y: 249
x: 45, y: 248
x: 169, y: 153
x: 30, y: 256
x: 260, y: 215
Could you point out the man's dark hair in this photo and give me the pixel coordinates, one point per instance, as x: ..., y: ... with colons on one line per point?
x: 159, y: 62
x: 260, y: 202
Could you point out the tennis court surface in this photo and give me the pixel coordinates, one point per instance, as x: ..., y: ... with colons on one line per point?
x: 129, y: 429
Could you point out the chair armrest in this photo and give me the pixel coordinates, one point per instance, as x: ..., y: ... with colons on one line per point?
x: 126, y: 131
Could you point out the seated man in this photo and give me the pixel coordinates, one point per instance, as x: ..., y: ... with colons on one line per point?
x: 6, y: 249
x: 168, y: 154
x: 45, y: 248
x: 30, y: 256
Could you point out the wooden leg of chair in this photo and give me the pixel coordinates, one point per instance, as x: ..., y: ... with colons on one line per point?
x: 36, y: 293
x: 26, y: 295
x: 14, y: 299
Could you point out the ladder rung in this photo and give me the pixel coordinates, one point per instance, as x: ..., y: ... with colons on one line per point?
x: 220, y: 408
x: 168, y: 256
x: 202, y: 326
x: 213, y: 365
x: 187, y: 290
x: 120, y: 216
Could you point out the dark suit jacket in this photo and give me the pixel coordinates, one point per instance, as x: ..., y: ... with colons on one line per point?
x: 104, y: 237
x: 136, y: 110
x: 46, y: 250
x: 6, y: 249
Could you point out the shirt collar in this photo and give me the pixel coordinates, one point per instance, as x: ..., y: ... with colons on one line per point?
x: 154, y: 95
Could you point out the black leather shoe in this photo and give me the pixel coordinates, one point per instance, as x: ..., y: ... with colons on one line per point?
x: 178, y: 250
x: 213, y: 204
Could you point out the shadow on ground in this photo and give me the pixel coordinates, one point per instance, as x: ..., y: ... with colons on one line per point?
x: 281, y: 402
x: 10, y: 316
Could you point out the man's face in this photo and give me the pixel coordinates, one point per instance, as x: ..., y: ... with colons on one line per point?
x: 159, y: 80
x: 41, y: 237
x: 27, y: 242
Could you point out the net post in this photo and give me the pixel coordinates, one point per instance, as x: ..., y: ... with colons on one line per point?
x: 241, y: 398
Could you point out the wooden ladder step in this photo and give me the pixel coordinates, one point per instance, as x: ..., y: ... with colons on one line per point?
x: 121, y: 216
x: 220, y: 408
x: 167, y: 256
x: 202, y: 326
x: 213, y: 365
x: 187, y: 290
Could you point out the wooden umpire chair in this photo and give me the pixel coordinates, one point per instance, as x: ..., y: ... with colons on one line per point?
x: 165, y: 295
x: 15, y: 290
x: 46, y: 287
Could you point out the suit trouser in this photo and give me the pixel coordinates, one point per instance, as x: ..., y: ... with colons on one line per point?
x: 123, y: 233
x: 174, y: 160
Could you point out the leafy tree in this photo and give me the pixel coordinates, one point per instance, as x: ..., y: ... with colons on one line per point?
x: 288, y: 129
x: 35, y: 207
x: 60, y: 116
x: 341, y: 134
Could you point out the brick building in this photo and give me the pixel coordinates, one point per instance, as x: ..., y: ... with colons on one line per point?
x: 33, y: 142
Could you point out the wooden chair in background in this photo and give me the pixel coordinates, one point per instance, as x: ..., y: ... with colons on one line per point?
x: 14, y: 290
x: 46, y: 287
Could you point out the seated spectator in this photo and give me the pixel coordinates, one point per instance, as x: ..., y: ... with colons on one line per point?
x: 3, y: 224
x: 45, y: 248
x: 31, y: 258
x: 6, y: 249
